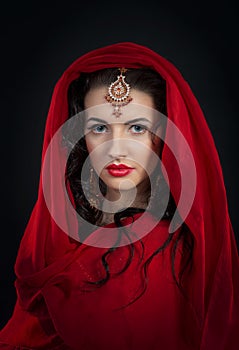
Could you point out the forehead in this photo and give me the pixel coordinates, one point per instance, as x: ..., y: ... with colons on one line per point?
x: 142, y: 105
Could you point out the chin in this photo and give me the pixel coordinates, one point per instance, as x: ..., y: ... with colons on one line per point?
x: 122, y: 185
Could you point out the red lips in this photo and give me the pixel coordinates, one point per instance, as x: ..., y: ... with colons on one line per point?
x: 119, y: 170
x: 118, y: 166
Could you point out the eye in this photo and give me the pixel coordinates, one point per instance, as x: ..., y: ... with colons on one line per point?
x: 98, y: 129
x: 138, y: 129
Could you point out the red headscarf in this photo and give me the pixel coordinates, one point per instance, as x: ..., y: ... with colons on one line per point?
x: 46, y: 254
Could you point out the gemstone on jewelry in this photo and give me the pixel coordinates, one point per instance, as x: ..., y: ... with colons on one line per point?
x: 118, y: 93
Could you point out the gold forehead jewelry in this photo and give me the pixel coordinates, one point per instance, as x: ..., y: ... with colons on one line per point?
x: 118, y: 93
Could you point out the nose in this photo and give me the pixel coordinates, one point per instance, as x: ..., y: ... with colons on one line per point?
x: 117, y: 148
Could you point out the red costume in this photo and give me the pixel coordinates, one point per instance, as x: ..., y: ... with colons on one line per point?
x: 53, y: 310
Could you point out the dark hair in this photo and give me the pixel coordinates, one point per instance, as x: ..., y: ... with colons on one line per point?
x: 150, y: 82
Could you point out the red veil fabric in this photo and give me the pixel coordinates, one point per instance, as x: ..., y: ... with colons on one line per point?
x: 52, y: 312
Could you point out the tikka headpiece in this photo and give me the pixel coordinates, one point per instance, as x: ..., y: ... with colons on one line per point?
x: 118, y: 93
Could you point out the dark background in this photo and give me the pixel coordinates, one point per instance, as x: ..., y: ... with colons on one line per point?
x: 38, y: 43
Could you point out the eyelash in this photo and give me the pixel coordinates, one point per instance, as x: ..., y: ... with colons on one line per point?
x: 143, y: 128
x: 94, y: 127
x: 142, y: 131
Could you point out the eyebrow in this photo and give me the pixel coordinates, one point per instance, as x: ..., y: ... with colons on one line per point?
x: 132, y: 121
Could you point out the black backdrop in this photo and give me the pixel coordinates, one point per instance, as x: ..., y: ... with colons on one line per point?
x: 39, y: 43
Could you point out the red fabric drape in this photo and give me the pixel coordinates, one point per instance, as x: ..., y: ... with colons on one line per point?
x: 50, y: 312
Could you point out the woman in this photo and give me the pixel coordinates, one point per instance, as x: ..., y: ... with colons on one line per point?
x: 138, y: 252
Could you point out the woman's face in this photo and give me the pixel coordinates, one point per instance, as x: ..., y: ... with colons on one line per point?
x: 121, y: 148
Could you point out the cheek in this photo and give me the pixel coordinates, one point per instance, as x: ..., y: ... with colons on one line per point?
x: 97, y: 154
x: 89, y: 144
x: 92, y: 146
x: 147, y: 156
x: 92, y: 150
x: 148, y: 161
x: 145, y: 151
